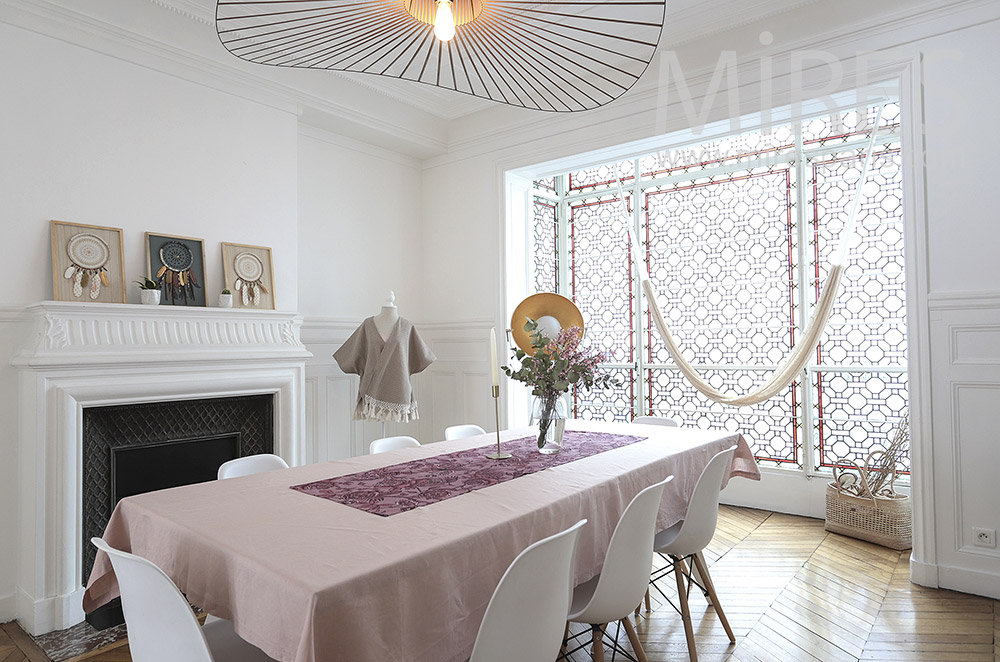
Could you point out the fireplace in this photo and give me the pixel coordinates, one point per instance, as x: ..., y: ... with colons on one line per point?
x: 137, y: 448
x: 120, y: 399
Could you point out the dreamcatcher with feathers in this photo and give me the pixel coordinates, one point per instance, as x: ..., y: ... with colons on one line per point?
x: 176, y: 276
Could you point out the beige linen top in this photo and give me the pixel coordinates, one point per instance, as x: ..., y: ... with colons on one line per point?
x: 385, y: 366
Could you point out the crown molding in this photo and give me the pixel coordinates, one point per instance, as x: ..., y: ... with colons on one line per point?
x: 71, y: 26
x: 190, y: 9
x: 706, y: 15
x: 332, y: 138
x: 938, y: 16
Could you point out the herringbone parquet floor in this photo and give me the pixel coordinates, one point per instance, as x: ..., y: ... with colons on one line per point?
x: 792, y: 592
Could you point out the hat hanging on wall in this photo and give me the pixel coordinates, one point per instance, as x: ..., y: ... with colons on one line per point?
x: 559, y: 56
x: 553, y: 312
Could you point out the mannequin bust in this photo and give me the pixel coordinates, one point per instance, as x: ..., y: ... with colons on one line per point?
x: 386, y: 319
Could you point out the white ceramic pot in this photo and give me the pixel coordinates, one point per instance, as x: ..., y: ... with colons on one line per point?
x: 150, y: 297
x: 225, y: 301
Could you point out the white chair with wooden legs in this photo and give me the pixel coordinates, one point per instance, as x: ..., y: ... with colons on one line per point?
x: 611, y: 595
x: 392, y: 444
x: 656, y: 420
x: 524, y: 619
x: 683, y: 542
x: 250, y: 465
x: 462, y: 431
x: 161, y: 625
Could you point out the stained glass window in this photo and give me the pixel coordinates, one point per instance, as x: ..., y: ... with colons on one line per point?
x: 737, y: 233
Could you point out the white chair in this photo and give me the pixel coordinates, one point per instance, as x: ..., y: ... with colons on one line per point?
x: 250, y: 465
x: 161, y: 625
x: 524, y: 619
x: 656, y: 420
x: 612, y: 594
x: 462, y: 431
x: 683, y: 543
x: 392, y: 444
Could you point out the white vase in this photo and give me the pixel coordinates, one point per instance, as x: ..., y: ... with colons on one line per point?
x: 150, y: 297
x: 225, y: 301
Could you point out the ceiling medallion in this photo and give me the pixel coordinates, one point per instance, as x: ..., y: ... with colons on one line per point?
x: 555, y: 55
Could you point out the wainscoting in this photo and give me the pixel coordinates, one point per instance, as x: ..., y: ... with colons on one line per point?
x: 454, y: 389
x: 965, y: 390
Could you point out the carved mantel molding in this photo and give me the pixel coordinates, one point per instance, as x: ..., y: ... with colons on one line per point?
x: 69, y: 333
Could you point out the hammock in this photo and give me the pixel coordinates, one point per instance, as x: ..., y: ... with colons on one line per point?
x: 799, y: 356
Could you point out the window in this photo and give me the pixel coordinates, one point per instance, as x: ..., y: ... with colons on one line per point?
x: 736, y: 233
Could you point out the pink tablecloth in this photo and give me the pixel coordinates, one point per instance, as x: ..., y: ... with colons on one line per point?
x: 309, y: 580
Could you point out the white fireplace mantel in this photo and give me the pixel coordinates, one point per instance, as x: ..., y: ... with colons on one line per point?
x: 78, y: 355
x: 74, y: 334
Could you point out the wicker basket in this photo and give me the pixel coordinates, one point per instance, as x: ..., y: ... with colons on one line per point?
x: 884, y: 521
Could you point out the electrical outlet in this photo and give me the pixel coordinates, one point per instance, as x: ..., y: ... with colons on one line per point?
x: 984, y: 537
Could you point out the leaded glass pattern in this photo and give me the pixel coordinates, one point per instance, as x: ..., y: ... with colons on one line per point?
x: 868, y: 323
x: 752, y: 146
x: 737, y: 233
x: 770, y: 428
x: 600, y: 176
x: 843, y: 127
x: 601, y: 282
x: 546, y: 184
x: 721, y: 255
x: 858, y: 412
x: 545, y: 235
x: 610, y: 404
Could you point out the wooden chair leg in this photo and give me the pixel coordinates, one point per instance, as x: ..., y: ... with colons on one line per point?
x: 700, y: 578
x: 703, y: 571
x: 634, y: 640
x: 685, y: 610
x: 648, y: 608
x: 562, y: 649
x: 597, y: 637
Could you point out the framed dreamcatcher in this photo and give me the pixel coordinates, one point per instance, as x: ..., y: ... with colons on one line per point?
x: 249, y: 275
x: 87, y: 263
x: 177, y: 264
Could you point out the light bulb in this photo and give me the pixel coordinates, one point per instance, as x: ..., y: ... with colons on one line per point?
x: 444, y: 22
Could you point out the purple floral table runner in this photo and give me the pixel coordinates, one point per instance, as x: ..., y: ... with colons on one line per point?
x: 401, y: 487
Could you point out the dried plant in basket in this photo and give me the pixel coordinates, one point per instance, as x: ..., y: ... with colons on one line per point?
x: 877, y: 477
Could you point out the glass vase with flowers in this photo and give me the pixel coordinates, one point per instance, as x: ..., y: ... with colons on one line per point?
x: 557, y: 365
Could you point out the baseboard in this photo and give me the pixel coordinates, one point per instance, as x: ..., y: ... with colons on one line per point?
x: 39, y: 617
x: 924, y: 574
x: 964, y: 580
x: 779, y: 491
x: 8, y: 607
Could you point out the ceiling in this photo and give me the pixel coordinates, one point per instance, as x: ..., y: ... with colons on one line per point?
x: 687, y: 20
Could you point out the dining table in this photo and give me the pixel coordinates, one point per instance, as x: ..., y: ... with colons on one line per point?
x: 394, y: 556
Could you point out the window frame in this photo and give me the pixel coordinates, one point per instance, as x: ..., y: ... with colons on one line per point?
x: 798, y: 158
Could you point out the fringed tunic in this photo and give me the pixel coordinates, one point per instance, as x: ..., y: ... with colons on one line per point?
x: 385, y: 366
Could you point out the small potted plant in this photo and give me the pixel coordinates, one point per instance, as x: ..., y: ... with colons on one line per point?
x: 226, y: 299
x: 149, y: 291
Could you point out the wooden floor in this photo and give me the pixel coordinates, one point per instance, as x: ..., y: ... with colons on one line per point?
x: 792, y: 592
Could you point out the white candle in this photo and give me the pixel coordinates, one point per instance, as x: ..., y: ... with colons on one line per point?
x: 494, y: 369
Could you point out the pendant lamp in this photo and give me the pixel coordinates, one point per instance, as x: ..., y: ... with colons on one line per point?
x: 555, y: 55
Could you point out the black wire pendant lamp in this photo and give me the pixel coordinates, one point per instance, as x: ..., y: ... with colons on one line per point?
x: 554, y: 55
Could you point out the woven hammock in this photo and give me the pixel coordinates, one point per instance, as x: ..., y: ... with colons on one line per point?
x: 799, y: 356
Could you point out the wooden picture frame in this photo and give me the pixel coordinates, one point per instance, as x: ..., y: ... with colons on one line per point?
x: 88, y: 263
x: 182, y: 281
x: 238, y: 275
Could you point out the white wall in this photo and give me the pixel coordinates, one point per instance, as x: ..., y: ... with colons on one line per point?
x: 359, y: 229
x: 950, y: 52
x: 93, y: 139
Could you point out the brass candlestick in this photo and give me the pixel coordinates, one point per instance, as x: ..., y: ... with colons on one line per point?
x: 498, y: 455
